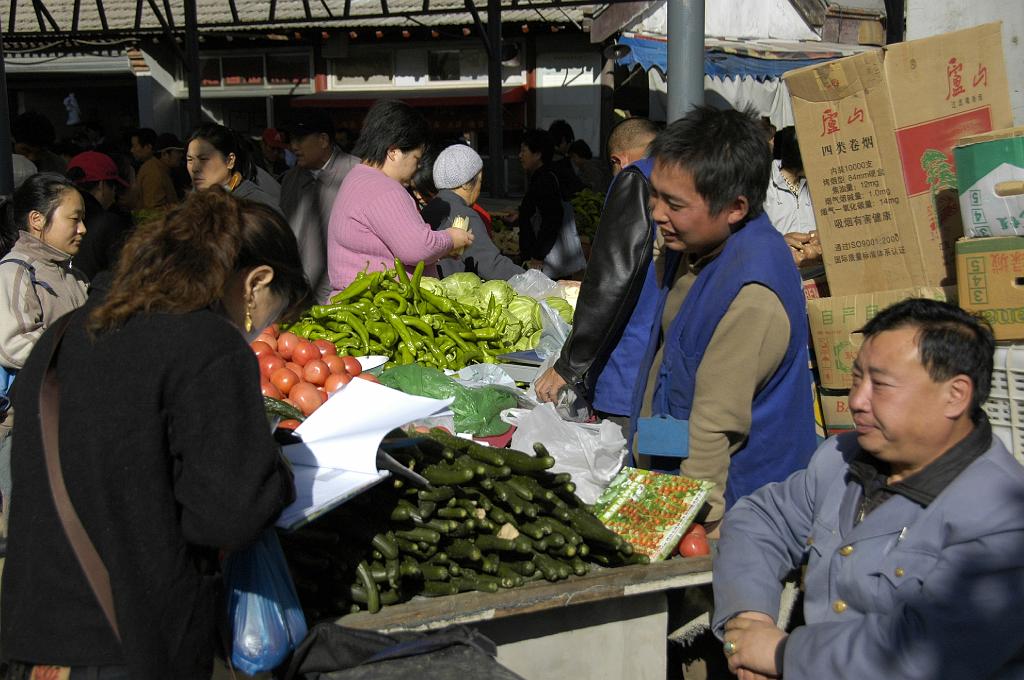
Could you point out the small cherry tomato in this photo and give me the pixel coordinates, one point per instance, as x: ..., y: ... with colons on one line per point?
x: 353, y: 366
x: 286, y: 344
x: 261, y: 348
x: 269, y: 390
x: 305, y: 352
x: 294, y: 368
x: 270, y: 363
x: 336, y: 381
x: 269, y: 339
x: 289, y: 424
x: 315, y: 372
x: 334, y: 363
x: 325, y: 346
x: 307, y: 397
x: 284, y: 379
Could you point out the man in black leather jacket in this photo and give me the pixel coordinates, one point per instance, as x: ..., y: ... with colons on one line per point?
x: 622, y: 251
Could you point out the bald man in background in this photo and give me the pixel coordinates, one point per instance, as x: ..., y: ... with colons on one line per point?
x: 617, y: 307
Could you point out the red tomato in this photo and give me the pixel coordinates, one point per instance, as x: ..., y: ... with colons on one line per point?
x: 693, y: 545
x: 304, y: 352
x: 269, y: 390
x: 269, y: 339
x: 270, y: 363
x: 261, y: 348
x: 274, y: 329
x: 307, y: 397
x: 289, y: 424
x: 286, y: 344
x: 336, y: 381
x: 352, y: 365
x: 325, y: 346
x: 696, y: 530
x: 370, y: 377
x: 315, y: 372
x: 284, y: 379
x: 334, y: 363
x: 294, y: 368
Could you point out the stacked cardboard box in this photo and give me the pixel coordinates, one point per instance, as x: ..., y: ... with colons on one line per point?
x: 877, y: 132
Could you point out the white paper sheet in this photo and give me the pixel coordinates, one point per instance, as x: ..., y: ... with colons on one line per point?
x: 337, y: 458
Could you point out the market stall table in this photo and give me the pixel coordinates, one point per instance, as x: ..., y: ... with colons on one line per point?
x: 611, y: 623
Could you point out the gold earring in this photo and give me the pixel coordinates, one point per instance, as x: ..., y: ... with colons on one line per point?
x: 248, y: 319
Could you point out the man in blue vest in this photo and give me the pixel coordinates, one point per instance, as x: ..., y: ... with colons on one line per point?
x: 602, y: 358
x: 730, y: 389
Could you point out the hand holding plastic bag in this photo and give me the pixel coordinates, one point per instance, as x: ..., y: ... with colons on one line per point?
x: 263, y: 608
x: 592, y: 454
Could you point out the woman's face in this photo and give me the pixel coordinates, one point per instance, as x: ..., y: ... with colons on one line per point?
x: 65, y: 228
x: 474, y: 195
x: 401, y: 165
x: 531, y: 160
x: 207, y: 165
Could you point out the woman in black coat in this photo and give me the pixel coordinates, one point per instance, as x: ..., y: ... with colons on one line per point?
x: 165, y: 450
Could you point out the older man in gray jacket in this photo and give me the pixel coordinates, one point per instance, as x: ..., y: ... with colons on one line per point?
x: 911, y: 527
x: 308, y: 191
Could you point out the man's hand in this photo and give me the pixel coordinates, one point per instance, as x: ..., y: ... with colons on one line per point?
x: 755, y: 639
x: 806, y: 247
x: 548, y: 385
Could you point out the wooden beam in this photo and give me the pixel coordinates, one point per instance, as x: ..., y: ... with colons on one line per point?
x: 384, y: 7
x: 305, y: 8
x: 14, y: 12
x: 348, y: 9
x: 273, y: 10
x: 168, y: 13
x: 234, y: 10
x: 330, y: 14
x: 138, y: 15
x: 75, y: 13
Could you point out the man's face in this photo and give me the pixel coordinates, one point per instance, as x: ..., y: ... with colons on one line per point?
x: 311, y: 151
x: 898, y: 409
x: 682, y: 214
x: 172, y: 158
x: 139, y: 152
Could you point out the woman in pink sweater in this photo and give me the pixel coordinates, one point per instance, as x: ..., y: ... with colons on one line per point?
x: 374, y: 219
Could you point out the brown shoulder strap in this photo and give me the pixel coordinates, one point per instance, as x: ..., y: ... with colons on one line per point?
x: 85, y: 551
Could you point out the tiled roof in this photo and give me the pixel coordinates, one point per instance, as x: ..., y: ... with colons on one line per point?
x: 134, y: 17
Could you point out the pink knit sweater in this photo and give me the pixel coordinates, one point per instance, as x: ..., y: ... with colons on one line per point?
x: 373, y: 221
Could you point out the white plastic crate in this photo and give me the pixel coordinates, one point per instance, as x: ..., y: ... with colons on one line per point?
x: 1005, y: 405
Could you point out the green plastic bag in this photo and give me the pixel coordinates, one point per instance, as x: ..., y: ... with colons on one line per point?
x: 477, y: 411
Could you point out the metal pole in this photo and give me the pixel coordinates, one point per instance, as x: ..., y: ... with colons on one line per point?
x: 195, y: 109
x: 495, y: 119
x: 6, y: 163
x: 685, y: 56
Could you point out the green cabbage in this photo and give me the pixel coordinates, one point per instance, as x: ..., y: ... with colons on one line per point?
x: 432, y: 285
x: 527, y: 311
x: 563, y: 308
x: 497, y: 289
x: 460, y: 285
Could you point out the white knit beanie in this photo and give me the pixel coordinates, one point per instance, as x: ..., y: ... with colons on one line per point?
x: 455, y: 166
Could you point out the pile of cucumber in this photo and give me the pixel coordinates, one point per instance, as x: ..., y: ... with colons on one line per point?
x: 495, y: 518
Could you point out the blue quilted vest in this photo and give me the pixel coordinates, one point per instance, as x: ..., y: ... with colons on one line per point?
x: 782, y: 437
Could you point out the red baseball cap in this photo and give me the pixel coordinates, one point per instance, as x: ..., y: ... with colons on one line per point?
x: 96, y: 167
x: 273, y: 139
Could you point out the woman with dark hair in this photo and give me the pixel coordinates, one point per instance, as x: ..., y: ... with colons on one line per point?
x: 216, y: 157
x: 374, y: 219
x: 38, y: 285
x: 540, y: 212
x: 164, y: 446
x: 788, y: 201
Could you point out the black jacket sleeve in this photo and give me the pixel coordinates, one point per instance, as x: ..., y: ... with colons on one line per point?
x: 622, y: 250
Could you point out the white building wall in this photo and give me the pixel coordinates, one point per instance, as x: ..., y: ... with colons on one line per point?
x: 926, y: 18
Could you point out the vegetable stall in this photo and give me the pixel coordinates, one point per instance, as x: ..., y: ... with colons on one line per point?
x: 483, y: 521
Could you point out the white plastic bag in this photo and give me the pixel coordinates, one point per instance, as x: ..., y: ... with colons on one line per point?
x: 554, y: 332
x: 592, y: 454
x: 535, y: 284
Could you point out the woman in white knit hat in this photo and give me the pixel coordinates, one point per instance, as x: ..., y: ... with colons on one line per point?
x: 458, y: 176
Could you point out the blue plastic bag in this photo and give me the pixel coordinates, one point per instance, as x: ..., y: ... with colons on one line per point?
x: 266, y: 620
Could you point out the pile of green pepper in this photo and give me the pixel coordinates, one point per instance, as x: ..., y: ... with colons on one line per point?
x: 495, y: 518
x: 390, y: 314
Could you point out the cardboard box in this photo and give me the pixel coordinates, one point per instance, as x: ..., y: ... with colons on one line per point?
x: 990, y: 178
x: 876, y: 135
x: 835, y: 407
x: 991, y: 276
x: 816, y: 288
x: 836, y: 323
